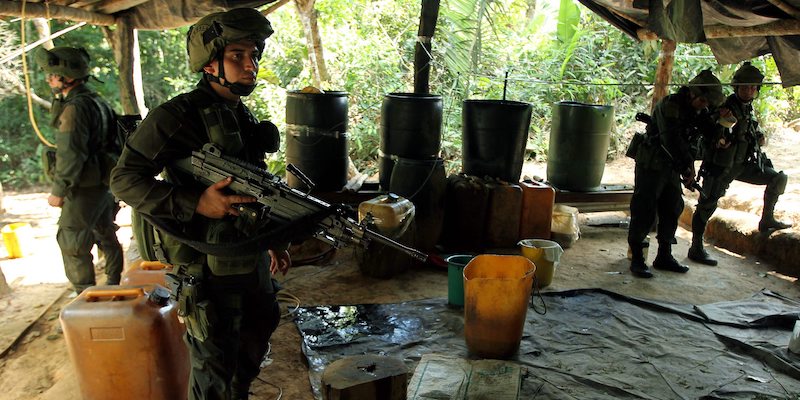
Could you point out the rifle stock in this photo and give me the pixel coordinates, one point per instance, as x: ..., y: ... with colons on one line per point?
x: 284, y: 205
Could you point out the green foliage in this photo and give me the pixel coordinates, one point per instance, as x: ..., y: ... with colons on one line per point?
x: 482, y: 49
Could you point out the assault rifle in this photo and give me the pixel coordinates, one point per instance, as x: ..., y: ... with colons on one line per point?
x: 282, y: 205
x: 642, y: 117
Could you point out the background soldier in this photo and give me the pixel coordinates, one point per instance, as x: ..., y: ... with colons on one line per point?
x: 228, y: 303
x: 736, y: 154
x: 663, y: 162
x: 80, y: 186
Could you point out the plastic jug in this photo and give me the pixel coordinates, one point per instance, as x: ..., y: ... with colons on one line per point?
x: 545, y: 254
x: 146, y: 272
x: 126, y: 340
x: 497, y: 289
x: 389, y: 211
x: 537, y: 210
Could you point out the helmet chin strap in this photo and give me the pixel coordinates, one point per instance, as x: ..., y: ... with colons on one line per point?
x: 237, y: 88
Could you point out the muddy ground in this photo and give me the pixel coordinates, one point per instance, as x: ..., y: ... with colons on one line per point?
x: 35, y: 363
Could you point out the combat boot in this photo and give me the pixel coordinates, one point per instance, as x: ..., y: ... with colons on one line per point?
x: 699, y: 254
x: 665, y: 261
x: 638, y: 265
x: 771, y: 224
x: 768, y: 222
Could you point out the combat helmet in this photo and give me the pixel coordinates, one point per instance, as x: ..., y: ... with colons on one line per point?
x: 747, y: 74
x: 707, y: 85
x: 206, y: 39
x: 69, y: 62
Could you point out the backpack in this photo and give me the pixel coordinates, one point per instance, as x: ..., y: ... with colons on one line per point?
x: 113, y: 141
x: 110, y: 145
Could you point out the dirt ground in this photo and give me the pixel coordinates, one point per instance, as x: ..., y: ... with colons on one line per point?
x: 36, y: 365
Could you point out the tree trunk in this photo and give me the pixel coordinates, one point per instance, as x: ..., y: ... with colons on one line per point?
x: 664, y: 72
x: 422, y: 51
x: 530, y: 12
x: 124, y: 41
x: 43, y: 29
x: 308, y: 17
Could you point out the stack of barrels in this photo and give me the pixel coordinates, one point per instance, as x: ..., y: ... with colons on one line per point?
x: 409, y: 161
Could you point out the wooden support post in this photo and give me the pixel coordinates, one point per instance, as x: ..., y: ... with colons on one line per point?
x: 666, y: 60
x: 422, y: 51
x: 124, y: 41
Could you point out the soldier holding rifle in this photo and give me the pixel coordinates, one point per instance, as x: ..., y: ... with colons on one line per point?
x: 736, y: 154
x: 664, y: 161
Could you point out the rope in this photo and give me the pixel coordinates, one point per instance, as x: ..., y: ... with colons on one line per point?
x: 28, y: 80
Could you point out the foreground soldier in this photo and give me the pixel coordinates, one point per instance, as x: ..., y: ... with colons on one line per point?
x: 737, y: 155
x: 83, y: 121
x: 228, y: 302
x: 663, y: 162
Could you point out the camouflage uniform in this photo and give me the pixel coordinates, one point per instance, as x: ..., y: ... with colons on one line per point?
x: 231, y: 309
x: 660, y: 161
x: 736, y: 162
x: 87, y: 214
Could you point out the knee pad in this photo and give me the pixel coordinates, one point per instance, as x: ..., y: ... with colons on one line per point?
x: 778, y: 184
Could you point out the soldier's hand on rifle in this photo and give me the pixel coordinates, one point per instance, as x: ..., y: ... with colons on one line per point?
x: 216, y: 203
x: 280, y: 261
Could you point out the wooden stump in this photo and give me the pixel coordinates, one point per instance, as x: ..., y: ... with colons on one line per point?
x: 365, y: 377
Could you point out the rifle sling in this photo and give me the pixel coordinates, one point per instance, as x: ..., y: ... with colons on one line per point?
x: 263, y: 241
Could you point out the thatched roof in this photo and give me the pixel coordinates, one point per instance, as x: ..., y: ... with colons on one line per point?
x: 736, y: 30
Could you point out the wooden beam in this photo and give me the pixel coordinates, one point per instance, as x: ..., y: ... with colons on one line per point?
x: 114, y: 6
x: 38, y: 10
x: 787, y: 8
x: 666, y: 59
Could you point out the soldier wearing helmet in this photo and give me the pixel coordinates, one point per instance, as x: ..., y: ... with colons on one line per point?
x: 736, y: 155
x: 229, y: 302
x: 663, y: 162
x: 82, y: 119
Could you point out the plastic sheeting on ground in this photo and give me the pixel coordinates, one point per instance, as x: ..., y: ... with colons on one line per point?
x: 591, y: 343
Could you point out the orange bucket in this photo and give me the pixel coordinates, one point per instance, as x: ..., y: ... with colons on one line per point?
x: 497, y: 289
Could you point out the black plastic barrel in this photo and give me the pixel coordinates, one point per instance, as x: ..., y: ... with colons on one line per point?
x: 424, y: 183
x: 411, y: 127
x: 495, y: 133
x: 316, y: 138
x: 578, y: 145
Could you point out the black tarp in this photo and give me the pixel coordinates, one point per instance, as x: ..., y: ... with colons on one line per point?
x: 591, y: 343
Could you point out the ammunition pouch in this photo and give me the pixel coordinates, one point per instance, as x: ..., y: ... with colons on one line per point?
x: 194, y: 309
x: 48, y: 159
x: 224, y: 231
x: 636, y: 142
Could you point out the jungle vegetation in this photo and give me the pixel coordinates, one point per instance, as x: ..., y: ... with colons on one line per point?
x: 539, y: 52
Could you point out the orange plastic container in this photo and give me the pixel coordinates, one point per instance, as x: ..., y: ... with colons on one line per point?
x: 146, y: 273
x: 126, y: 342
x: 502, y: 214
x: 497, y: 289
x: 537, y: 210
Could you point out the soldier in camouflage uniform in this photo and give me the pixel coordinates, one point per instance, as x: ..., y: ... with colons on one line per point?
x: 83, y: 120
x: 228, y: 303
x: 663, y: 162
x: 737, y: 155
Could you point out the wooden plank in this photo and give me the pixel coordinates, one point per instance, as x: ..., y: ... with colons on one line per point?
x: 38, y: 10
